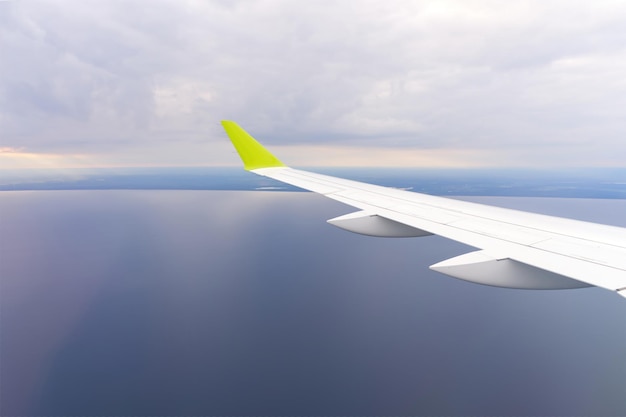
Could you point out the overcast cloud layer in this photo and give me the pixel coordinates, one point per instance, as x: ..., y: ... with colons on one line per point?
x: 416, y: 83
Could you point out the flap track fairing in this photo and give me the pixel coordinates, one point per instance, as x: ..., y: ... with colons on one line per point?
x: 369, y: 224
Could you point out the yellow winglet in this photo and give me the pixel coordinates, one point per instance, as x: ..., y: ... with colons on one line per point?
x: 252, y: 153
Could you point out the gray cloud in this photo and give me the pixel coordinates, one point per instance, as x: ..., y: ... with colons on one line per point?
x: 544, y: 78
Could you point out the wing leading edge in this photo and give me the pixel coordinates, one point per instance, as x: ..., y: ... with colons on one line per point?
x: 516, y: 249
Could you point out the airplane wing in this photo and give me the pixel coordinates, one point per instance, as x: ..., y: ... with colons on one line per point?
x: 515, y: 249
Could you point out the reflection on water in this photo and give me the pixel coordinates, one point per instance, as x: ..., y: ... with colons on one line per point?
x: 243, y: 303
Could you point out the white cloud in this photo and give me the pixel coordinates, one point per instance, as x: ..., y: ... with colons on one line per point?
x: 534, y: 82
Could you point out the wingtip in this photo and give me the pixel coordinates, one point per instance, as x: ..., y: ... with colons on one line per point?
x: 252, y: 153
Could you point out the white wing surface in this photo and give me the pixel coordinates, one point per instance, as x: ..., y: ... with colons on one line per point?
x: 515, y: 249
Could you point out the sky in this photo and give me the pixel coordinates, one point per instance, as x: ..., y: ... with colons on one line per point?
x: 324, y: 83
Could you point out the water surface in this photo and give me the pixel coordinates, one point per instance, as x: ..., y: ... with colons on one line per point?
x: 242, y: 303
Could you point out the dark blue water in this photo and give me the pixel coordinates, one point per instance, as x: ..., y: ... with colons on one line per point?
x: 242, y: 303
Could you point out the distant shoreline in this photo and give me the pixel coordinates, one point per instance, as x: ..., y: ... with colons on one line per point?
x: 608, y: 183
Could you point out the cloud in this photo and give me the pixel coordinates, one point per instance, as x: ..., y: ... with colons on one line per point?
x: 537, y: 80
x: 8, y: 149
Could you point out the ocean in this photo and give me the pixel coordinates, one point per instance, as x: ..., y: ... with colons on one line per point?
x: 234, y: 303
